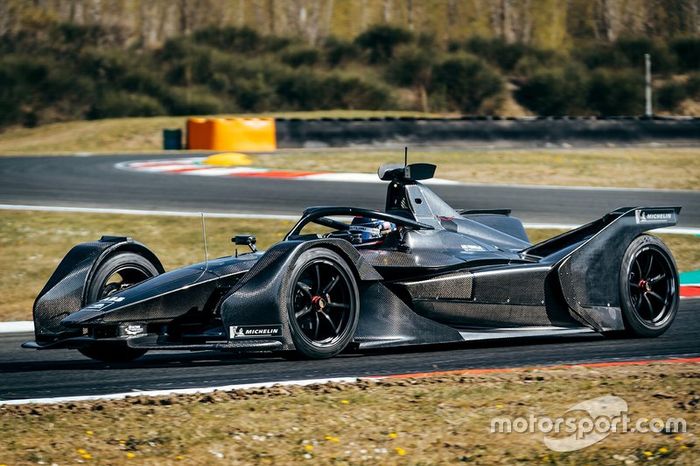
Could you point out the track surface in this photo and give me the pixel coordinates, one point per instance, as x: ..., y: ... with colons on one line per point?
x: 95, y: 182
x: 34, y: 374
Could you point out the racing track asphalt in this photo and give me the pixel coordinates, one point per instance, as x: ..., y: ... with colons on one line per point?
x: 35, y: 374
x: 95, y: 182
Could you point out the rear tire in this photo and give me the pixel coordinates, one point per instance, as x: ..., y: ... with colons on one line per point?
x: 118, y: 272
x: 648, y: 287
x: 323, y: 304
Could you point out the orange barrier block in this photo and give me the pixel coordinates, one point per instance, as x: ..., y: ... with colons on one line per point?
x: 236, y: 134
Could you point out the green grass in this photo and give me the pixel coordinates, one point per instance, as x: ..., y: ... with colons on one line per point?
x: 33, y: 243
x: 435, y: 420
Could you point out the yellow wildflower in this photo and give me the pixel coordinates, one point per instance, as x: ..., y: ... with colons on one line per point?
x: 89, y: 433
x: 86, y: 456
x: 499, y: 406
x: 663, y: 450
x: 393, y: 435
x: 345, y: 402
x: 400, y: 451
x: 678, y: 438
x: 179, y: 457
x: 684, y: 447
x: 647, y: 453
x: 309, y: 448
x: 331, y: 438
x: 81, y: 451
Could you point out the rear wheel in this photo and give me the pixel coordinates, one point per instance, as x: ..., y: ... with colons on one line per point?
x: 117, y: 273
x: 649, y: 287
x: 323, y: 304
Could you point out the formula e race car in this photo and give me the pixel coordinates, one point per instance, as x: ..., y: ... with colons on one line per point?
x: 345, y: 278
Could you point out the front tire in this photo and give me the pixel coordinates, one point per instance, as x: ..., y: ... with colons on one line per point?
x: 118, y: 272
x: 111, y: 352
x: 648, y: 287
x: 323, y: 304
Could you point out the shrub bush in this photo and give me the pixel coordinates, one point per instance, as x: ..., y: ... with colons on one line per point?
x: 115, y: 104
x: 411, y: 67
x: 232, y: 39
x: 465, y: 82
x: 559, y: 91
x: 338, y: 51
x: 692, y: 86
x: 670, y: 95
x: 381, y: 40
x: 195, y: 101
x: 687, y: 52
x: 633, y: 50
x: 301, y: 56
x: 616, y: 92
x: 496, y: 51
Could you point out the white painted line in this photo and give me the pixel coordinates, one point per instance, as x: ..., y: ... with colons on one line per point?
x: 19, y: 326
x: 177, y: 391
x: 243, y: 215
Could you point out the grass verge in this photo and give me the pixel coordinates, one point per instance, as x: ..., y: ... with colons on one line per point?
x: 434, y: 420
x: 119, y: 135
x: 667, y: 168
x: 33, y: 243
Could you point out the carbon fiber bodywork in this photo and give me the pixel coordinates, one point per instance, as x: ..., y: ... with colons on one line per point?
x: 437, y: 276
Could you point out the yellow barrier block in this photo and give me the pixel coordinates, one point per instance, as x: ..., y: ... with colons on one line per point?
x: 238, y: 134
x: 228, y: 159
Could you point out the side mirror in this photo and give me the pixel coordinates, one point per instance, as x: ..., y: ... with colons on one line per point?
x: 245, y: 240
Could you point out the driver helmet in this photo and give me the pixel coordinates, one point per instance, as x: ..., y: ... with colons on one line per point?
x: 367, y: 230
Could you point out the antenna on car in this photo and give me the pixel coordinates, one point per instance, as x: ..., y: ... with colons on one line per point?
x: 206, y: 250
x: 405, y: 156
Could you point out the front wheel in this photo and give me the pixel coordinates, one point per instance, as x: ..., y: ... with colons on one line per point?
x: 111, y: 352
x: 648, y: 287
x: 323, y: 304
x: 117, y: 273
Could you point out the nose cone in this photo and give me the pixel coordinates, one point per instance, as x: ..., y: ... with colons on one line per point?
x: 142, y: 294
x: 165, y: 296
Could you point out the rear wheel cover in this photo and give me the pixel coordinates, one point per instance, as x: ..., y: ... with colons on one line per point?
x: 323, y: 303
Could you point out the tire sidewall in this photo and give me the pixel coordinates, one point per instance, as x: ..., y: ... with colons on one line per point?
x: 110, y: 265
x: 634, y: 325
x: 303, y: 346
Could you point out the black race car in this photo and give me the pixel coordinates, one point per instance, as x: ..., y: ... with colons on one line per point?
x: 347, y: 278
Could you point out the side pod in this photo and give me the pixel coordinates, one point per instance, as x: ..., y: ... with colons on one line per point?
x: 65, y: 292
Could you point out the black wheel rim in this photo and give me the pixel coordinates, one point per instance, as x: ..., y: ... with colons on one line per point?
x: 652, y: 285
x: 122, y: 278
x: 323, y: 302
